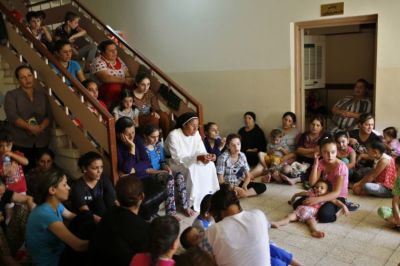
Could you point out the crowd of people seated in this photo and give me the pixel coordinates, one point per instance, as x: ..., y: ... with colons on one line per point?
x: 51, y: 221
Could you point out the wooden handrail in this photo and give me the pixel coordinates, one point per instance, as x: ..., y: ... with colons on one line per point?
x: 83, y: 91
x: 153, y: 67
x: 39, y: 46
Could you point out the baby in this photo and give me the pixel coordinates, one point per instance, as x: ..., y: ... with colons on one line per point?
x: 272, y: 160
x: 307, y: 213
x: 391, y: 141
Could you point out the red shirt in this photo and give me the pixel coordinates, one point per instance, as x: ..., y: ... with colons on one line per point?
x: 17, y: 182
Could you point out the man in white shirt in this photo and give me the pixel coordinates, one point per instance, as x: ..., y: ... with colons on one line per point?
x: 239, y: 237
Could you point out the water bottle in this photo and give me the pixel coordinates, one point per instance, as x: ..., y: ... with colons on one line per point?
x: 7, y: 165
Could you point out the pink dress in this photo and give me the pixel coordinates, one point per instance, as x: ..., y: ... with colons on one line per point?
x: 331, y: 177
x: 305, y: 212
x: 144, y: 259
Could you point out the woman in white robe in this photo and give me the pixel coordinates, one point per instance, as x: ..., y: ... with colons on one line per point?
x: 189, y: 157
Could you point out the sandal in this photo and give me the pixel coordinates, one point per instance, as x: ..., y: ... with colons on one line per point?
x: 352, y: 206
x: 306, y: 185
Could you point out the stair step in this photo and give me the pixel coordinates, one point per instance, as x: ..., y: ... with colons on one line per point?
x: 67, y: 159
x: 7, y: 79
x: 7, y: 87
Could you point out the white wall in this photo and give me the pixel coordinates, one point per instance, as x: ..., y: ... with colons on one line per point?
x: 236, y: 55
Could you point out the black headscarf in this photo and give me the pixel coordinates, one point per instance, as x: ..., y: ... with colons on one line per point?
x: 185, y: 118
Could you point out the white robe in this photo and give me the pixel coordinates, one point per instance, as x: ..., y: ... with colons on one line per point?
x: 201, y: 179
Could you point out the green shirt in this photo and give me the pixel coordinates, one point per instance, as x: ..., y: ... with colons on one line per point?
x: 396, y: 188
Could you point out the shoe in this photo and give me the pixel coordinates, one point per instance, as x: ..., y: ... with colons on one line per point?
x: 352, y: 206
x: 306, y: 185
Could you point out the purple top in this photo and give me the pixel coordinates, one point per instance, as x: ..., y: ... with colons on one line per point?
x: 126, y: 161
x: 340, y: 170
x: 214, y: 150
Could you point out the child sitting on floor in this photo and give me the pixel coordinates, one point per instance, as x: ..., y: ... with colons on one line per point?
x: 272, y: 160
x: 392, y: 215
x: 380, y: 180
x: 204, y: 219
x: 307, y: 213
x: 391, y: 141
x: 293, y: 173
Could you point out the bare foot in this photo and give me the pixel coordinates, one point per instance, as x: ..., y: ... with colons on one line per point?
x: 289, y: 180
x: 318, y: 234
x: 274, y: 225
x: 189, y: 212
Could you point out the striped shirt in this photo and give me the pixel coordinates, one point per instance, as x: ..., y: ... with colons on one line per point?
x: 350, y: 104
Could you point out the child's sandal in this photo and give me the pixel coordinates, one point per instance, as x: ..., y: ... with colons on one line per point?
x: 352, y: 206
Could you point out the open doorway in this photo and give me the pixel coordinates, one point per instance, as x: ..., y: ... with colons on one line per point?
x: 325, y: 73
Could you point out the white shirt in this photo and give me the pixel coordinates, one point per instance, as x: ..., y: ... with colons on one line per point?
x: 241, y: 239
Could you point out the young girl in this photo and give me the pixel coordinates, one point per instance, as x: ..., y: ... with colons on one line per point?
x: 213, y: 142
x: 392, y: 215
x: 344, y: 152
x: 336, y: 173
x: 126, y: 107
x: 391, y: 141
x: 163, y: 243
x: 380, y: 180
x: 155, y: 152
x: 93, y: 90
x: 307, y: 213
x: 232, y: 168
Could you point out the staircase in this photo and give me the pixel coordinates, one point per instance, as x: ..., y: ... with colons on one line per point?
x: 96, y: 133
x: 7, y: 83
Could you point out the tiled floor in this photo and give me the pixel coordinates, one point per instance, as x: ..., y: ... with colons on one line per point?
x: 358, y: 239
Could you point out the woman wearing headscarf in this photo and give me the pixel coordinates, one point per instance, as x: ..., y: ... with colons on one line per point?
x: 189, y: 157
x: 252, y: 137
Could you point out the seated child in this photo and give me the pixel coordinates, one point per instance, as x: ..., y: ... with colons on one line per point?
x: 126, y: 107
x: 213, y: 142
x: 305, y: 213
x: 380, y: 180
x: 35, y: 25
x: 293, y: 173
x: 11, y: 169
x: 391, y: 141
x: 14, y: 237
x: 272, y: 160
x: 203, y: 220
x: 392, y: 215
x: 344, y: 152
